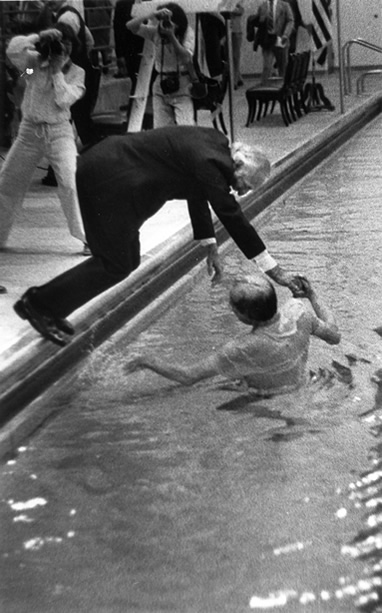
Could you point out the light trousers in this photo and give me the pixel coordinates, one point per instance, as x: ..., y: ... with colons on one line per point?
x: 173, y: 109
x: 35, y: 141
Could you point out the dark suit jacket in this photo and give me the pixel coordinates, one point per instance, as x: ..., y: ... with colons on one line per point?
x: 124, y: 180
x: 257, y: 24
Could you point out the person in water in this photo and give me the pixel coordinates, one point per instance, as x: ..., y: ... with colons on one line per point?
x: 272, y: 358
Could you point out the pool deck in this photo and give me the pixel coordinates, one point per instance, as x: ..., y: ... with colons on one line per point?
x: 40, y: 246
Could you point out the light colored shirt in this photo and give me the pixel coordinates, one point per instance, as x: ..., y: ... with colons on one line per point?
x: 48, y: 97
x: 272, y: 359
x: 171, y: 62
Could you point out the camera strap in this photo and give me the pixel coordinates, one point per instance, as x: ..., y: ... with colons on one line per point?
x: 162, y: 61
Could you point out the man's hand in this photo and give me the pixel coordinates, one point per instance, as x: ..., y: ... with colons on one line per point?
x: 214, y: 267
x: 293, y: 281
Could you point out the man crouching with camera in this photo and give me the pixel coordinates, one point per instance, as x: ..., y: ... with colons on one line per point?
x: 53, y: 84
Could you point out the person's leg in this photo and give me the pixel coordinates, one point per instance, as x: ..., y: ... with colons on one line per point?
x: 213, y: 31
x: 62, y: 154
x: 163, y: 114
x: 113, y: 236
x: 268, y: 61
x: 281, y: 55
x: 69, y: 291
x: 16, y: 175
x: 182, y: 104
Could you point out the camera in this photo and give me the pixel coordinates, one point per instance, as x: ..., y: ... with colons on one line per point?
x: 48, y: 49
x: 170, y: 84
x: 166, y: 23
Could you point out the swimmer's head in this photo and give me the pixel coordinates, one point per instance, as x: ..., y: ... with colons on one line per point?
x: 251, y: 167
x: 253, y: 300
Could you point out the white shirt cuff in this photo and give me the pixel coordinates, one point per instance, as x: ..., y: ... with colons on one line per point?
x: 265, y: 261
x: 208, y: 241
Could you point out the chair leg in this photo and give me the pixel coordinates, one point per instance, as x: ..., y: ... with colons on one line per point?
x: 296, y: 104
x: 251, y: 111
x: 273, y: 106
x: 289, y: 105
x: 258, y: 116
x: 302, y: 102
x: 222, y: 123
x: 284, y: 112
x: 266, y: 105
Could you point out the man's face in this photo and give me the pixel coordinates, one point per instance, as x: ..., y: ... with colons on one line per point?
x: 240, y: 184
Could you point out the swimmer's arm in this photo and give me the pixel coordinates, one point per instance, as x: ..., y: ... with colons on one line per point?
x: 325, y: 326
x: 186, y: 375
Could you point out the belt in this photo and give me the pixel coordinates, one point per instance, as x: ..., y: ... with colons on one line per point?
x: 183, y: 73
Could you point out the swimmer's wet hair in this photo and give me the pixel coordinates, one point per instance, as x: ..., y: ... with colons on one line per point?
x: 253, y: 301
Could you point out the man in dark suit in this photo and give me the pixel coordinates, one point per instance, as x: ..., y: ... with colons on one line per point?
x: 270, y: 28
x: 124, y: 180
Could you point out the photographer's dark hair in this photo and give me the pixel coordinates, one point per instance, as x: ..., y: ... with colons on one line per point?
x: 68, y: 35
x: 178, y: 17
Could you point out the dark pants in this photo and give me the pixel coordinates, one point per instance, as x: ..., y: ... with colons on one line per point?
x: 112, y: 232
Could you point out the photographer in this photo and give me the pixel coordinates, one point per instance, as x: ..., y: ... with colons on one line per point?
x: 53, y: 84
x: 174, y: 42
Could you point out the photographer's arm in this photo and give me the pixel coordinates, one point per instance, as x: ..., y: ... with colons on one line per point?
x: 135, y: 24
x: 184, y: 55
x: 22, y: 52
x: 68, y: 87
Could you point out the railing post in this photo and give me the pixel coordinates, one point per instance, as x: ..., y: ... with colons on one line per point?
x: 3, y: 93
x: 341, y: 71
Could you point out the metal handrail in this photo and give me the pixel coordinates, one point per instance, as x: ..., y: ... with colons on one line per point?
x: 345, y: 58
x: 362, y: 77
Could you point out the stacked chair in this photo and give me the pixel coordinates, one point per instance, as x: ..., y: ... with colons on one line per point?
x: 288, y: 92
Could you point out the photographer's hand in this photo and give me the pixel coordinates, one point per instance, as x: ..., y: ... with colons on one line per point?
x: 161, y: 14
x: 50, y: 35
x: 57, y: 62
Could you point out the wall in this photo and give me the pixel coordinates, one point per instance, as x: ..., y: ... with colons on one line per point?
x: 358, y: 19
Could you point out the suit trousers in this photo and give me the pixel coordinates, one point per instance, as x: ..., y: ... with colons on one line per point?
x: 112, y: 232
x: 278, y: 55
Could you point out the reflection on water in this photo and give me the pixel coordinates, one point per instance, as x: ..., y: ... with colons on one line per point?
x: 209, y: 499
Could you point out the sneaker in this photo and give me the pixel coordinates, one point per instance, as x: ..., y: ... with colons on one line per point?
x: 86, y: 250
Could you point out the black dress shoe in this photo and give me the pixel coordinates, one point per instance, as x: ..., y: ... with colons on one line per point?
x: 62, y: 324
x: 45, y: 325
x: 3, y: 290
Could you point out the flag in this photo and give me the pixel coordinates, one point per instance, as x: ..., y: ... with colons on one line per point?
x: 321, y: 28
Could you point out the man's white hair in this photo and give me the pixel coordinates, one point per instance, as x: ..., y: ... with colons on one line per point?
x: 256, y: 166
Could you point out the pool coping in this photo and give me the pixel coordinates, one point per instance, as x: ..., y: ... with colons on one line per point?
x: 33, y: 367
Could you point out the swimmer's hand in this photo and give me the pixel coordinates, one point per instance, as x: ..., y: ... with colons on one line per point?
x: 302, y: 287
x: 134, y: 362
x: 287, y: 279
x: 214, y: 266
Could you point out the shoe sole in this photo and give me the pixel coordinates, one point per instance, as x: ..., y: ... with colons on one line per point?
x: 21, y: 310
